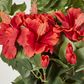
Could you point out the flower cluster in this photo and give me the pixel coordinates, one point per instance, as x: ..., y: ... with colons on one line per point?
x: 72, y: 23
x: 35, y: 33
x: 38, y: 33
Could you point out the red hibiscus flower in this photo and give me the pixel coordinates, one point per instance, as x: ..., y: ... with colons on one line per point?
x: 70, y: 55
x: 8, y: 37
x: 72, y: 23
x: 44, y: 61
x: 17, y: 20
x: 38, y: 35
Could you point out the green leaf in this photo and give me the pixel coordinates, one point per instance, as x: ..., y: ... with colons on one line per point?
x: 80, y: 55
x: 60, y: 62
x: 5, y: 5
x: 58, y: 80
x: 79, y: 44
x: 62, y: 51
x: 53, y: 77
x: 52, y: 72
x: 81, y: 68
x: 19, y: 7
x: 61, y: 5
x: 23, y: 66
x: 3, y: 58
x: 18, y: 80
x: 76, y: 4
x: 80, y: 58
x: 30, y: 79
x: 49, y: 5
x: 79, y: 77
x: 36, y: 60
x: 21, y: 63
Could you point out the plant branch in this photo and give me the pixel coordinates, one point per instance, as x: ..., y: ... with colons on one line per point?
x: 59, y: 62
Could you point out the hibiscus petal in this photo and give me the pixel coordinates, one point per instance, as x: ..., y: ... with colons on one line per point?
x: 3, y: 28
x: 61, y: 17
x: 50, y: 38
x: 28, y: 51
x: 8, y: 35
x: 80, y: 20
x: 39, y: 48
x: 22, y: 40
x: 49, y: 48
x: 42, y: 29
x: 27, y: 40
x: 32, y: 25
x: 17, y: 20
x: 11, y: 35
x: 9, y: 51
x: 74, y: 12
x: 75, y: 36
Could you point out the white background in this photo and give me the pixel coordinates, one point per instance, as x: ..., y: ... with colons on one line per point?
x: 7, y: 74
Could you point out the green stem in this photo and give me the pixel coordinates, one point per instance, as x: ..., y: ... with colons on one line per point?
x: 34, y: 74
x: 59, y: 62
x: 40, y: 77
x: 44, y: 74
x: 60, y: 73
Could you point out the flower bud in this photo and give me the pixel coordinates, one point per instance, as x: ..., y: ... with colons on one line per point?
x: 70, y: 55
x: 44, y: 61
